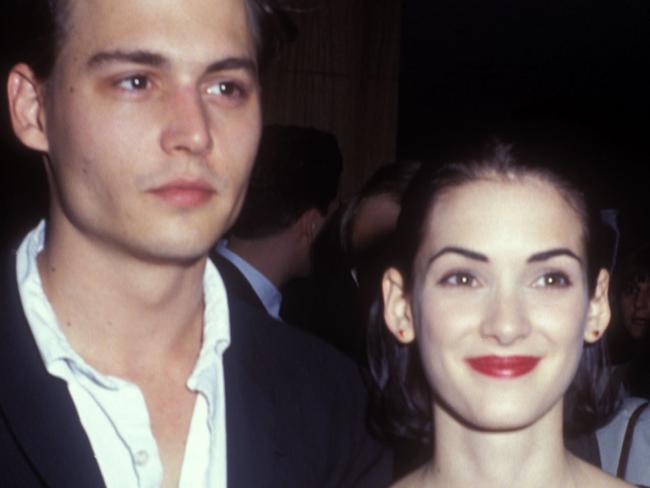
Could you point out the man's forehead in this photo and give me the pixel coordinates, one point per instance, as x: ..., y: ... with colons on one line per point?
x: 101, y: 20
x: 141, y: 24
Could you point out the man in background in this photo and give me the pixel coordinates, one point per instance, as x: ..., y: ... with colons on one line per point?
x: 291, y: 193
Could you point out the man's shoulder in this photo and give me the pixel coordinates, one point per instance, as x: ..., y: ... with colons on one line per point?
x: 289, y: 348
x: 318, y: 401
x: 235, y: 281
x: 10, y: 305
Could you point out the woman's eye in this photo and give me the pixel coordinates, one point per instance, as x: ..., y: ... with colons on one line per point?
x: 134, y: 83
x: 552, y: 280
x: 460, y: 278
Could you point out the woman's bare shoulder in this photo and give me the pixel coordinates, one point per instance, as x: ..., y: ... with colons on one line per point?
x: 411, y: 480
x: 588, y: 476
x: 597, y: 478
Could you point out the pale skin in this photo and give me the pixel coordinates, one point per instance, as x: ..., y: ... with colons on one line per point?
x: 500, y: 271
x: 143, y: 95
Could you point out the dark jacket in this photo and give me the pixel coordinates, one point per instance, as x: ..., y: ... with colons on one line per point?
x: 295, y: 411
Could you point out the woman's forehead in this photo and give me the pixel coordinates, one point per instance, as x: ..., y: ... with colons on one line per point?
x: 505, y: 214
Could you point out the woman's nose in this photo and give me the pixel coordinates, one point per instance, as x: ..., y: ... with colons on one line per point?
x: 506, y: 323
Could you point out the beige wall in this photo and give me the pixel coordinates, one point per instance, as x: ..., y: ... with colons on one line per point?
x: 342, y: 75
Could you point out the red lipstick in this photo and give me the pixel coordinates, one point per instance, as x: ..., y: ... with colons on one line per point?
x: 503, y: 366
x: 182, y: 193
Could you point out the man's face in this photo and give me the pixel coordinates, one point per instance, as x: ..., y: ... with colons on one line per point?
x: 635, y: 307
x: 152, y: 120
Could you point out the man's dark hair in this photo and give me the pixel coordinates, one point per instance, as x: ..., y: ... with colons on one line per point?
x: 43, y: 25
x: 635, y: 268
x: 296, y: 169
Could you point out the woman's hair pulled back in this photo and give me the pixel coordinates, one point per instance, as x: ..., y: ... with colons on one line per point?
x: 402, y: 398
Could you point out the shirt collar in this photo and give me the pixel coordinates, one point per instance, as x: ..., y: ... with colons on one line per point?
x: 54, y: 346
x: 267, y: 292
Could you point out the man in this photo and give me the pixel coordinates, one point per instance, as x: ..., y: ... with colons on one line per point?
x: 123, y: 362
x: 294, y: 182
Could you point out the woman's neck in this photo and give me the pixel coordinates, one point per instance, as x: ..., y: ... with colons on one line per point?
x: 533, y: 456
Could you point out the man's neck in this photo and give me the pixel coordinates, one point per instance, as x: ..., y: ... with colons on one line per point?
x: 121, y: 314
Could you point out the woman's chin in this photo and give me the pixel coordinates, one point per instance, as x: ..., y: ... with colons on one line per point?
x: 500, y: 415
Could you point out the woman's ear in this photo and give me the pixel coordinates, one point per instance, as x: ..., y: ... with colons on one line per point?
x: 599, y: 313
x: 26, y: 108
x: 397, y: 307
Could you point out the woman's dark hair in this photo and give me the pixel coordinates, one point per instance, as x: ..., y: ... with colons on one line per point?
x: 391, y: 179
x: 42, y: 27
x: 402, y: 398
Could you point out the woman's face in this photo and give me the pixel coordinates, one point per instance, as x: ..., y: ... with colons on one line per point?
x: 500, y: 305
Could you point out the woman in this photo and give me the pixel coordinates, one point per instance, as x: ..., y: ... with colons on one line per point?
x: 496, y: 287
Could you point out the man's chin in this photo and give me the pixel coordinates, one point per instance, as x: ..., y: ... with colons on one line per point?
x: 175, y: 255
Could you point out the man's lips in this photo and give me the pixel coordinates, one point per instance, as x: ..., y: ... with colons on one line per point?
x: 503, y: 366
x: 183, y: 193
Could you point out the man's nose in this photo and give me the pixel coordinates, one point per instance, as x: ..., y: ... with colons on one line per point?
x: 642, y: 298
x: 506, y: 322
x: 188, y: 124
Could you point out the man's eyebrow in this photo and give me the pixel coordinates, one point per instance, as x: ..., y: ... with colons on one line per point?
x: 137, y: 57
x: 233, y: 63
x: 476, y: 256
x: 551, y: 253
x: 150, y: 58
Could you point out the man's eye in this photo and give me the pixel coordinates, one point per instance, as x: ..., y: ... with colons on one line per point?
x: 228, y: 89
x: 459, y: 278
x: 552, y: 280
x: 629, y: 289
x: 133, y: 83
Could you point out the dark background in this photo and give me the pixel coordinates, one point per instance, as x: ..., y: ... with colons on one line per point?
x: 430, y: 78
x: 569, y: 78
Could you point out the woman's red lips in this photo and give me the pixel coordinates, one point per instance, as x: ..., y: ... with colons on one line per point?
x: 503, y: 366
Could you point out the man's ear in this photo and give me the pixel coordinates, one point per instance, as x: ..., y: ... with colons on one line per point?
x: 397, y: 307
x: 599, y: 313
x: 26, y: 107
x: 309, y: 224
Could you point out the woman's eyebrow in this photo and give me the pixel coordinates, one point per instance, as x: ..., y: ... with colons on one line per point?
x: 551, y: 253
x: 537, y: 257
x: 459, y: 250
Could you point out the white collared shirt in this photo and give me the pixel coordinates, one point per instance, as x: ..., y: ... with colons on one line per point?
x: 113, y: 411
x: 267, y: 292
